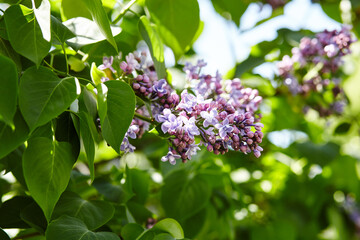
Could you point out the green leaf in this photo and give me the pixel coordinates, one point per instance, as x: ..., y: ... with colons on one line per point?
x: 42, y: 14
x: 99, y: 16
x: 234, y: 8
x: 8, y: 90
x: 66, y: 132
x: 10, y: 212
x: 139, y: 184
x: 155, y: 45
x: 93, y: 213
x: 25, y: 34
x: 86, y: 31
x: 33, y: 215
x: 59, y: 32
x: 70, y: 228
x: 131, y: 231
x: 11, y: 139
x: 116, y: 103
x: 96, y: 74
x: 163, y: 236
x: 177, y: 22
x: 47, y: 166
x: 171, y: 226
x: 3, y: 235
x: 73, y: 9
x: 43, y: 96
x: 332, y: 9
x: 76, y: 64
x: 342, y: 128
x: 7, y: 51
x: 13, y: 163
x: 183, y: 196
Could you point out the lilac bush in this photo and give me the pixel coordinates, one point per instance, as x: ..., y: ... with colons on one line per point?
x: 313, y: 70
x: 219, y: 114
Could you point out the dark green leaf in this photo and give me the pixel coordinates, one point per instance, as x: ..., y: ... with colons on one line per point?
x: 13, y: 162
x: 163, y: 236
x: 10, y: 212
x: 116, y: 103
x: 155, y: 45
x: 60, y: 33
x: 43, y: 96
x: 177, y: 22
x: 11, y: 139
x: 93, y: 213
x: 70, y: 228
x: 7, y: 51
x: 25, y: 34
x: 99, y: 16
x: 247, y: 65
x: 139, y: 181
x: 47, y: 166
x: 65, y: 132
x: 8, y: 90
x: 342, y: 128
x: 171, y: 226
x: 131, y: 231
x: 183, y: 196
x: 114, y: 193
x: 33, y: 215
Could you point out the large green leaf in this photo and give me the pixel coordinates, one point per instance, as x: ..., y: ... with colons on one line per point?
x: 47, y: 166
x: 131, y: 231
x: 8, y: 90
x: 11, y: 139
x: 93, y: 213
x: 183, y: 196
x: 177, y: 21
x: 25, y: 34
x: 70, y: 228
x: 10, y: 212
x: 116, y: 103
x: 34, y: 217
x: 43, y: 96
x: 156, y: 47
x: 99, y: 16
x: 59, y: 32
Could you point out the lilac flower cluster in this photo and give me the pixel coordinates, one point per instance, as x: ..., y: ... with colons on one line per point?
x: 212, y: 112
x: 313, y: 70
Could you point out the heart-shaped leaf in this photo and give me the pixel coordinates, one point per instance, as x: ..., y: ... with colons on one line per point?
x: 47, y: 166
x: 43, y: 96
x: 70, y: 228
x: 93, y: 213
x: 25, y: 34
x: 116, y: 103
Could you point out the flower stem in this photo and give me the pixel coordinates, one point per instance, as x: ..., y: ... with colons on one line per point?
x: 139, y: 116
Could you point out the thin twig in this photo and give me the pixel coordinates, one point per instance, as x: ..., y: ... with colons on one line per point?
x: 123, y: 11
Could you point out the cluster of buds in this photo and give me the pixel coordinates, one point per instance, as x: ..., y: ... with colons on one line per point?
x: 220, y: 115
x: 313, y: 70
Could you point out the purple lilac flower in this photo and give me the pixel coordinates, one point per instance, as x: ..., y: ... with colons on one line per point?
x: 224, y: 128
x: 192, y: 149
x: 188, y: 101
x: 172, y: 124
x: 159, y: 86
x: 210, y: 117
x: 190, y: 127
x: 171, y: 157
x: 107, y: 64
x: 164, y: 116
x: 126, y: 146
